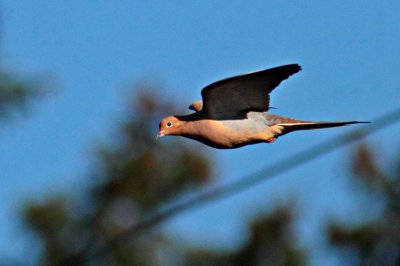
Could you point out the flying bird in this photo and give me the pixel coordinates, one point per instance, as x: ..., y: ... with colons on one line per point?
x: 234, y: 112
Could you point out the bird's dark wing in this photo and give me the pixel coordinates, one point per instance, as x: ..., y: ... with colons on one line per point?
x: 233, y: 97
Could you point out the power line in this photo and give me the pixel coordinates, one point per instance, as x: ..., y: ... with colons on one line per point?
x: 239, y: 185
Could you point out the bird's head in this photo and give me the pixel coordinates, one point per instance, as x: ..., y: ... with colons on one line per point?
x: 169, y: 126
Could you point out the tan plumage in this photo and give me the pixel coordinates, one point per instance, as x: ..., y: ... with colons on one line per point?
x: 233, y: 112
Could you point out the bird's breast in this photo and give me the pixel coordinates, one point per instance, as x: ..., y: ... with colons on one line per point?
x: 226, y: 134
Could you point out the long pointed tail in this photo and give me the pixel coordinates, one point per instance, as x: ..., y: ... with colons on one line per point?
x: 304, y: 125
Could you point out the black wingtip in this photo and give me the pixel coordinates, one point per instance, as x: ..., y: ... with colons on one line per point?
x: 284, y: 71
x: 293, y: 69
x: 296, y: 67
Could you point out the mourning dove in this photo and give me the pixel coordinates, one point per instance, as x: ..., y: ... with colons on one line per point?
x: 234, y: 112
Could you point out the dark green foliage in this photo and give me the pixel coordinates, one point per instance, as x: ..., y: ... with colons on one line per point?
x: 271, y: 243
x: 134, y: 174
x: 375, y: 241
x: 16, y: 94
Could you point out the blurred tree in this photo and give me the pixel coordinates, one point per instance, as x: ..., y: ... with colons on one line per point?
x: 16, y: 94
x: 271, y: 243
x: 375, y: 241
x: 133, y: 177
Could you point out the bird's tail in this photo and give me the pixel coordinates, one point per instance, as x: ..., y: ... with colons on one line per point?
x: 306, y: 125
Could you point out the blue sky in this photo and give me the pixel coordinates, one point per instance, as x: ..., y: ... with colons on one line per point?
x: 94, y: 51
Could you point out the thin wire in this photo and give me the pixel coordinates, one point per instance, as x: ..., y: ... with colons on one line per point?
x: 244, y: 183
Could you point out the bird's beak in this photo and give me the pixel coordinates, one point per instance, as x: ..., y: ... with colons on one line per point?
x: 160, y: 134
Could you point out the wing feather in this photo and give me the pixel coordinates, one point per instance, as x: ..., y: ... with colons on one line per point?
x: 234, y: 97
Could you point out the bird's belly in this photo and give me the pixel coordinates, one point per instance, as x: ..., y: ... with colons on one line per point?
x: 229, y: 134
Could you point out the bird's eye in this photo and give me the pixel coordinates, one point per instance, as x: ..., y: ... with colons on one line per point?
x: 169, y: 124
